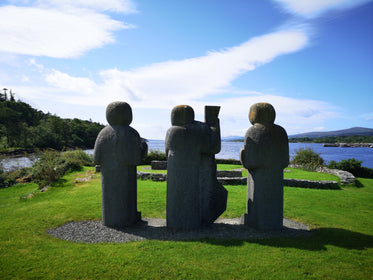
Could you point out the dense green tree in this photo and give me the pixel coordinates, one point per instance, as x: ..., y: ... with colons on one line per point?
x: 25, y: 127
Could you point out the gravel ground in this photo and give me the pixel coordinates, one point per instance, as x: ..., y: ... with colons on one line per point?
x: 95, y: 232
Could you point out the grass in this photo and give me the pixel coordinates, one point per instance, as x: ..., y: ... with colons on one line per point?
x: 290, y: 172
x: 340, y: 246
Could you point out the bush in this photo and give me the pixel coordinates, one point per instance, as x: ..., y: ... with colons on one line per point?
x: 52, y: 165
x: 9, y: 178
x: 307, y: 159
x: 153, y: 155
x: 353, y: 166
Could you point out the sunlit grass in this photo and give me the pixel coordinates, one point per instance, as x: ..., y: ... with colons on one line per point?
x: 340, y: 246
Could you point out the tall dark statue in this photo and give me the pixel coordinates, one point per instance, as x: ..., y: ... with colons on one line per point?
x: 194, y: 195
x: 118, y: 149
x: 265, y: 154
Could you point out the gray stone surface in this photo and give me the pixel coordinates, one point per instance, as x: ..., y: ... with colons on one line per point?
x: 228, y: 173
x: 346, y: 177
x: 311, y: 184
x: 158, y: 164
x: 158, y: 177
x: 265, y: 154
x: 118, y: 149
x: 194, y: 196
x: 155, y: 229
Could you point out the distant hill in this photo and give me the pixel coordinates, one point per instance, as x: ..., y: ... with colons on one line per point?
x: 358, y: 131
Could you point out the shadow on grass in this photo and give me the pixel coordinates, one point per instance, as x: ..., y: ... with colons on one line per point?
x: 318, y: 240
x: 217, y: 234
x: 358, y: 184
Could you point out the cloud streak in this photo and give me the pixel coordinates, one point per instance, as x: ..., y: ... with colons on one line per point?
x: 57, y: 31
x: 160, y: 86
x: 315, y: 8
x: 169, y: 83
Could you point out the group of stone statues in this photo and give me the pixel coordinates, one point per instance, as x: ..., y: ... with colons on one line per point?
x: 194, y: 195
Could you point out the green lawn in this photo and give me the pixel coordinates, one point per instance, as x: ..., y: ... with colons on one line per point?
x: 291, y: 172
x: 340, y: 246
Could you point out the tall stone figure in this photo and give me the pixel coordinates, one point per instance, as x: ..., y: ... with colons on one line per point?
x: 265, y: 154
x: 194, y: 196
x: 118, y: 149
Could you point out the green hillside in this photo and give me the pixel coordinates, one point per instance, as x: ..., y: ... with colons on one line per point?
x: 22, y: 126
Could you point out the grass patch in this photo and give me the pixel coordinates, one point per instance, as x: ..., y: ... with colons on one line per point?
x: 294, y: 173
x: 339, y: 248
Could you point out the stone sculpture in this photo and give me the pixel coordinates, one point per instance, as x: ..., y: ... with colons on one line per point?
x: 265, y: 154
x: 194, y: 196
x: 118, y: 149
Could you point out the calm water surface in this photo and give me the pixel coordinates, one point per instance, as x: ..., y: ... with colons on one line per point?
x: 230, y: 150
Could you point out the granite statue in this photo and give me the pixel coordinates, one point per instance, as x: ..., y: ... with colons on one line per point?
x: 265, y: 154
x: 194, y: 196
x: 118, y: 149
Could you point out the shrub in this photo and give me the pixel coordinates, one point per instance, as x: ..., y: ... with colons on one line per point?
x: 307, y: 159
x: 153, y: 155
x: 353, y: 166
x: 52, y: 165
x: 9, y: 178
x: 74, y: 160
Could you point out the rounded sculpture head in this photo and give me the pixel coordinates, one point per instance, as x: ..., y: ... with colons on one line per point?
x: 119, y: 113
x: 262, y: 113
x: 182, y: 115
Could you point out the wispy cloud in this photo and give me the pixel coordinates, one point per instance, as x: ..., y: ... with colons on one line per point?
x: 166, y: 84
x: 59, y: 29
x: 193, y: 81
x: 314, y: 8
x: 122, y: 6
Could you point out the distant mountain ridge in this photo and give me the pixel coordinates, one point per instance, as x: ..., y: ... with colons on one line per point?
x: 361, y: 131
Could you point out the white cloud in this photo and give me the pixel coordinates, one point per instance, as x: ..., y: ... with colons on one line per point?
x: 61, y: 80
x: 123, y: 6
x: 314, y: 8
x: 54, y: 33
x: 289, y: 113
x: 169, y: 83
x: 161, y: 86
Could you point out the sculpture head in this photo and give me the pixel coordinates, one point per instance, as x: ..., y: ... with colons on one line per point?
x: 182, y: 115
x: 262, y: 113
x: 119, y: 113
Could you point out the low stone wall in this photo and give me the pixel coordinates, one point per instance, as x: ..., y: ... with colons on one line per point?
x: 347, y: 178
x: 311, y: 184
x: 228, y: 173
x: 162, y: 164
x: 158, y: 164
x: 232, y: 180
x: 158, y: 177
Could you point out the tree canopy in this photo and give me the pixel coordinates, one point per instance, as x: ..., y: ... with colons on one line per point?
x: 22, y: 126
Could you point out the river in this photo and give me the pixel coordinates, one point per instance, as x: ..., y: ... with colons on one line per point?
x: 230, y: 150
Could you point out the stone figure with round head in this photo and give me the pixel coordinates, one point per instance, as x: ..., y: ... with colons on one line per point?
x: 118, y: 149
x: 265, y: 154
x: 194, y: 196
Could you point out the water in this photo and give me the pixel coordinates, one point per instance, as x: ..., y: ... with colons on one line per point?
x: 13, y: 163
x: 230, y: 150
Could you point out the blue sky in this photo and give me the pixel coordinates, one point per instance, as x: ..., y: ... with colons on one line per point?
x: 311, y: 59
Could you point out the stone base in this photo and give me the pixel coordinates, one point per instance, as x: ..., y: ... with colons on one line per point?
x: 133, y: 222
x: 245, y: 220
